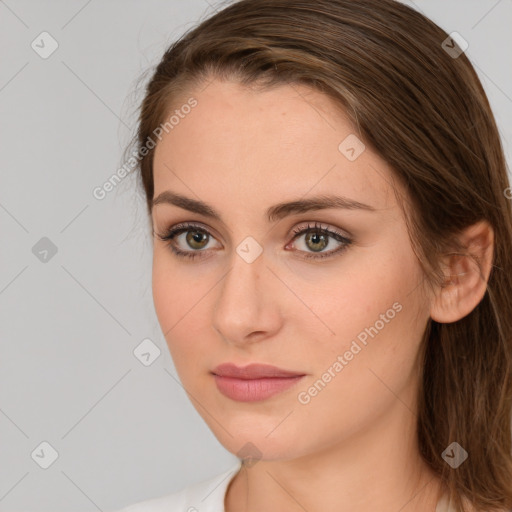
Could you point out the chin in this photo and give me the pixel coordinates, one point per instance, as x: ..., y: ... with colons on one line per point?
x: 257, y: 444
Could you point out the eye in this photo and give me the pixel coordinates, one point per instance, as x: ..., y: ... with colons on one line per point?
x: 317, y: 238
x: 196, y: 237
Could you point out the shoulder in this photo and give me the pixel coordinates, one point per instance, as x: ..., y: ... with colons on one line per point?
x: 204, y: 496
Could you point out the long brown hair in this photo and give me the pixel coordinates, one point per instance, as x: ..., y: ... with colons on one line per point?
x: 424, y: 111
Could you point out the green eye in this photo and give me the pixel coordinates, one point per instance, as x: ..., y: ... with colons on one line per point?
x: 317, y: 238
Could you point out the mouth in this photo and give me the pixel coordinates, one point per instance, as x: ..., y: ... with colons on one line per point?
x: 254, y: 382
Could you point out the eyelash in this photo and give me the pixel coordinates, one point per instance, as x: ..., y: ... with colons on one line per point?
x: 169, y: 235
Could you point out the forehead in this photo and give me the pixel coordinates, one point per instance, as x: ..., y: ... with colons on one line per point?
x: 259, y: 144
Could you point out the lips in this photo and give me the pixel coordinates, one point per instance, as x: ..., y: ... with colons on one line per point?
x: 255, y: 382
x: 253, y: 371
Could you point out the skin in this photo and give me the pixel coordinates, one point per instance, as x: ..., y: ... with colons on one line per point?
x: 353, y: 446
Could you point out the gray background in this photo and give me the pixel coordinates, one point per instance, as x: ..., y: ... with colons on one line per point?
x: 123, y: 431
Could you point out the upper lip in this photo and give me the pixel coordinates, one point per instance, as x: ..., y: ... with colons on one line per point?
x: 252, y: 371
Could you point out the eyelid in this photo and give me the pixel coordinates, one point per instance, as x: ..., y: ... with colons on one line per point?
x: 185, y: 226
x: 321, y: 227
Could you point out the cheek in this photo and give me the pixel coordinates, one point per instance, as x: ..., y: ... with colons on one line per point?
x: 378, y: 320
x: 342, y: 397
x: 372, y: 310
x: 165, y: 292
x: 177, y: 304
x: 175, y: 294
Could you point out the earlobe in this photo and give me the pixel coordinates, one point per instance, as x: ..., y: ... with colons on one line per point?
x: 466, y: 277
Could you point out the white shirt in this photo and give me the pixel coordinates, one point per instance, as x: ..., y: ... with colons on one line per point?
x: 208, y: 496
x: 205, y: 496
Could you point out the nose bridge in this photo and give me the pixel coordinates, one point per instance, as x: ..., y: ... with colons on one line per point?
x: 243, y: 304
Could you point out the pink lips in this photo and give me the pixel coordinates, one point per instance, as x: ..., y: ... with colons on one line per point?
x: 253, y: 382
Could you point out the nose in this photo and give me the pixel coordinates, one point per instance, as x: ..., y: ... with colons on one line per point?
x: 247, y: 307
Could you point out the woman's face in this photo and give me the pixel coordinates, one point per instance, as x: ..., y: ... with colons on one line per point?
x: 347, y: 315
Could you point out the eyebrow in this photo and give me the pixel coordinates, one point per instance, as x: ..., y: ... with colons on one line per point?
x: 274, y: 213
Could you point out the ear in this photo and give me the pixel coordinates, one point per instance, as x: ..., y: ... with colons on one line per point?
x: 465, y: 279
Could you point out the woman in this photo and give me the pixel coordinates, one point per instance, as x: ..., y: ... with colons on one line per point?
x: 329, y: 196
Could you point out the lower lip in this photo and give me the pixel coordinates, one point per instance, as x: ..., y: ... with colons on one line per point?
x: 253, y: 390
